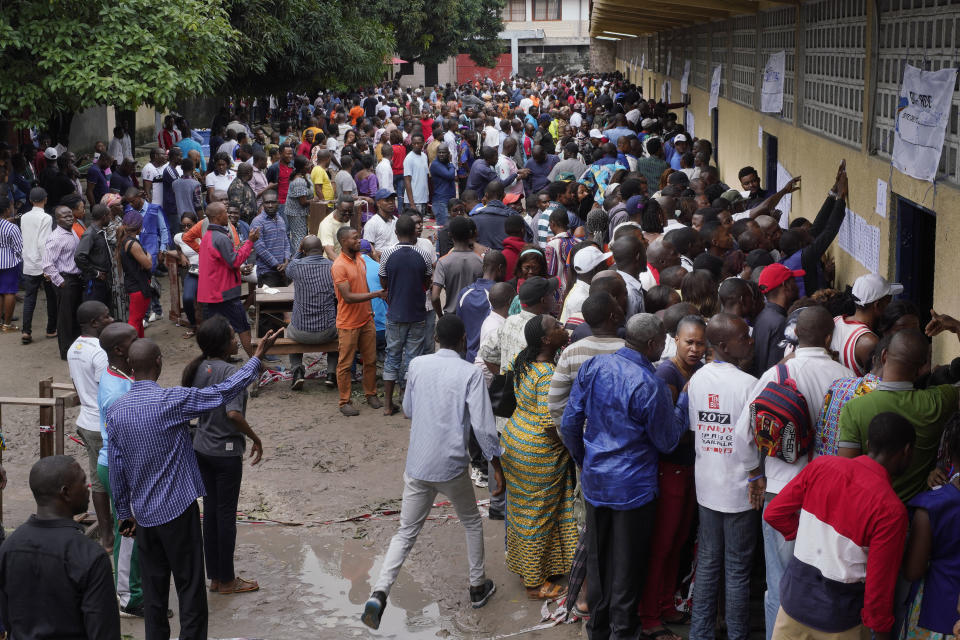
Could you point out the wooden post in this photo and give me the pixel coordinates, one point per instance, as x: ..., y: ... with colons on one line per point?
x: 46, y: 419
x: 58, y: 425
x: 1, y: 464
x: 175, y: 298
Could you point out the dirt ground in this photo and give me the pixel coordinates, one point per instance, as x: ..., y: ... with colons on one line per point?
x: 318, y: 466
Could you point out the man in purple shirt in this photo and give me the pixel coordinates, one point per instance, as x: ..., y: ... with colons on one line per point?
x: 97, y: 183
x: 538, y: 168
x: 64, y: 274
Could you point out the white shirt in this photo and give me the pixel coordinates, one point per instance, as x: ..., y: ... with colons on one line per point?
x: 384, y: 173
x: 491, y: 137
x: 505, y: 168
x: 35, y: 226
x: 228, y: 147
x: 450, y: 139
x: 814, y: 370
x: 220, y: 182
x: 647, y: 280
x: 489, y: 333
x: 525, y: 104
x: 87, y: 362
x: 153, y: 174
x: 415, y: 166
x: 718, y: 394
x: 579, y: 292
x: 381, y: 234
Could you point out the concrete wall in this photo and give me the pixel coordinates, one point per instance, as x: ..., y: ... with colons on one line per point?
x: 574, y: 20
x: 816, y: 158
x: 446, y: 72
x: 603, y: 55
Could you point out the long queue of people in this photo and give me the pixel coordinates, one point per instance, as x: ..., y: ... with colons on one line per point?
x: 651, y: 374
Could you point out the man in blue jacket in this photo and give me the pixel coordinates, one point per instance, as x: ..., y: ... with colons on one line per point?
x: 630, y: 421
x: 444, y: 175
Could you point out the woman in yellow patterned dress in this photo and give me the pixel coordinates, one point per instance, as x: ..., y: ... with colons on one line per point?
x: 541, y: 531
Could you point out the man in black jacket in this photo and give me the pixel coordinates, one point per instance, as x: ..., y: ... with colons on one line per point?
x: 94, y: 259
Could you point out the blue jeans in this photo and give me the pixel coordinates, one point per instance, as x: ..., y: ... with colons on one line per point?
x: 429, y: 340
x: 399, y: 187
x: 726, y: 546
x: 777, y: 553
x: 190, y: 284
x: 440, y: 212
x: 404, y: 342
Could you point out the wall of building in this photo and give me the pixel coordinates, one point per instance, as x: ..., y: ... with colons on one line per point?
x: 603, y: 55
x: 446, y: 72
x: 803, y: 149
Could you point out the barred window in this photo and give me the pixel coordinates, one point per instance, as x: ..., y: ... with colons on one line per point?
x: 777, y: 33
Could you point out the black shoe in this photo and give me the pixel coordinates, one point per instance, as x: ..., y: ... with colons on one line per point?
x: 480, y: 595
x: 297, y: 383
x: 373, y: 609
x: 331, y: 382
x: 137, y: 611
x: 495, y: 514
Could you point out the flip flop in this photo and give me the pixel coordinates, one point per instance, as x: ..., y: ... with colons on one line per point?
x: 547, y: 591
x: 391, y: 411
x: 240, y: 585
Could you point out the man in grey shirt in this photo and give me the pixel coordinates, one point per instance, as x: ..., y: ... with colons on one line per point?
x: 343, y: 181
x: 446, y: 398
x: 570, y: 163
x: 186, y: 192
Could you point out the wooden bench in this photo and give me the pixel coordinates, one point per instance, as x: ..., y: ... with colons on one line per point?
x: 286, y: 346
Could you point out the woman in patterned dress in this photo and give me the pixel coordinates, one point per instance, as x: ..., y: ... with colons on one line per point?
x: 541, y: 531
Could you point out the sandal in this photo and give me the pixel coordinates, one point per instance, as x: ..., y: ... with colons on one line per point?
x: 189, y: 334
x: 240, y: 585
x: 546, y: 591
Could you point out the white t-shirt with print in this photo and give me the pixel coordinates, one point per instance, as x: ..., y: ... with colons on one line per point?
x: 717, y: 393
x: 87, y: 362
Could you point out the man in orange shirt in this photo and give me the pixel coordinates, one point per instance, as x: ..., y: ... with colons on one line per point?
x: 356, y: 112
x: 355, y: 327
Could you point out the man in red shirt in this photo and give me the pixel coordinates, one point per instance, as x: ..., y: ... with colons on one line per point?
x: 279, y: 174
x: 850, y: 528
x: 168, y: 136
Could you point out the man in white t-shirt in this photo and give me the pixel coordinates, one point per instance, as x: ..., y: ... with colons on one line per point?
x: 380, y: 230
x: 384, y: 169
x: 416, y: 175
x: 814, y: 370
x: 87, y: 362
x: 491, y: 134
x: 506, y: 167
x: 717, y: 395
x: 151, y: 174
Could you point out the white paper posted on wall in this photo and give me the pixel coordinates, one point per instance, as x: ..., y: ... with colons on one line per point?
x: 861, y: 240
x: 786, y: 204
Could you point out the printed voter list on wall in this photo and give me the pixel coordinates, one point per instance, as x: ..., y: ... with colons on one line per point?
x: 861, y: 240
x: 688, y: 123
x: 685, y: 78
x: 669, y: 61
x: 665, y: 91
x: 715, y: 87
x: 771, y: 95
x: 786, y: 203
x: 922, y: 114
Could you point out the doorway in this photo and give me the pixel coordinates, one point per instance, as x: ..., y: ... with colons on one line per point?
x: 770, y: 163
x: 431, y: 75
x: 916, y: 254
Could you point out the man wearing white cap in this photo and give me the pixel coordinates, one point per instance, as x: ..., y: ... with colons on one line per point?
x: 675, y: 150
x: 588, y: 260
x: 853, y: 336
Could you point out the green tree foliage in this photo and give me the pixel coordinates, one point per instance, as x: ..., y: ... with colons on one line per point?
x: 431, y: 31
x: 300, y: 45
x: 67, y: 55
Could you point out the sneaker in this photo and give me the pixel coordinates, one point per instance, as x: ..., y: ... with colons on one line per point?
x: 330, y: 381
x: 374, y: 402
x: 297, y: 383
x: 154, y: 316
x: 495, y: 514
x: 480, y: 595
x: 373, y: 609
x: 349, y: 410
x: 479, y: 478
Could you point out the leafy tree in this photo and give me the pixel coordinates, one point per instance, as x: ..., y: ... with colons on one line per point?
x: 299, y: 45
x: 430, y: 32
x: 64, y: 56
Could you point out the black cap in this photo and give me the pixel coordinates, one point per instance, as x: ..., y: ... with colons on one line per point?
x: 534, y: 289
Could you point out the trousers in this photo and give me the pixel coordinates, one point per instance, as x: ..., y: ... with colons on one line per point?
x: 618, y: 545
x: 418, y: 497
x: 31, y: 286
x: 309, y: 337
x: 176, y: 548
x: 776, y: 555
x: 221, y: 478
x: 126, y: 559
x: 364, y: 340
x: 69, y: 296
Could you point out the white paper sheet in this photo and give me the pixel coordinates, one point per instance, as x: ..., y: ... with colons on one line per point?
x: 771, y: 93
x: 715, y: 87
x: 685, y: 78
x: 760, y: 136
x: 923, y: 111
x: 882, y: 188
x: 861, y: 240
x: 688, y: 123
x: 786, y: 204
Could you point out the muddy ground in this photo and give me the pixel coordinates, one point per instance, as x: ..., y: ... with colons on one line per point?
x: 318, y: 466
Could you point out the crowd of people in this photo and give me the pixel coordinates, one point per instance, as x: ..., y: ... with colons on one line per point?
x: 658, y: 379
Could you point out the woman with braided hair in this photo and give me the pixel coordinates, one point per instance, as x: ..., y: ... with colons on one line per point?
x: 541, y: 531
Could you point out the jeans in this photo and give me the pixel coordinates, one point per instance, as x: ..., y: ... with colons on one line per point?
x: 308, y: 337
x: 404, y: 343
x: 221, y: 478
x: 31, y: 286
x: 440, y: 212
x: 429, y: 328
x: 98, y: 290
x: 777, y: 553
x: 190, y: 284
x: 618, y: 545
x: 726, y: 545
x: 399, y: 187
x: 418, y: 497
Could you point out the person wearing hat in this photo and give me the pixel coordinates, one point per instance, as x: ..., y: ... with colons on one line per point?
x: 778, y: 285
x: 675, y: 149
x: 587, y: 261
x: 854, y: 338
x: 380, y: 230
x: 571, y: 163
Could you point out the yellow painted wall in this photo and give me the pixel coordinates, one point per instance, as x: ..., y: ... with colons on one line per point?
x: 816, y: 159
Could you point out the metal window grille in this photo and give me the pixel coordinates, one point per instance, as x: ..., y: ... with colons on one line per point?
x: 778, y: 33
x: 744, y: 61
x: 834, y: 37
x: 700, y: 69
x: 719, y: 54
x: 925, y: 34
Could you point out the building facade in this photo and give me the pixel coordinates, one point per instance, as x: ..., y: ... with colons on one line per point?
x: 555, y: 35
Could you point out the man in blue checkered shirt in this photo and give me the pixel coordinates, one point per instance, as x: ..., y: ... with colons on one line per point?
x: 156, y: 482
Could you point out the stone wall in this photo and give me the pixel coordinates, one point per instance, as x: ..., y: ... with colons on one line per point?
x: 569, y: 60
x: 603, y: 55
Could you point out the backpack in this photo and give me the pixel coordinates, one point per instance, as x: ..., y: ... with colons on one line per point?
x: 781, y: 420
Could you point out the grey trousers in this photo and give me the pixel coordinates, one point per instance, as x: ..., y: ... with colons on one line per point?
x: 418, y: 497
x: 307, y: 337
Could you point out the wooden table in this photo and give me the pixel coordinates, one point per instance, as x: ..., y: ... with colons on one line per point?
x: 272, y: 305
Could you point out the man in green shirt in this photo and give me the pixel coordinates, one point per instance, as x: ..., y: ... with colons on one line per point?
x: 927, y: 409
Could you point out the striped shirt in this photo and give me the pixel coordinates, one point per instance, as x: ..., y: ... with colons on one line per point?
x: 314, y: 300
x: 11, y: 245
x: 569, y: 364
x: 153, y: 468
x: 58, y: 255
x: 272, y: 247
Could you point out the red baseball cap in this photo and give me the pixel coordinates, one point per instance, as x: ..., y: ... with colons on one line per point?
x: 776, y: 274
x: 510, y: 198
